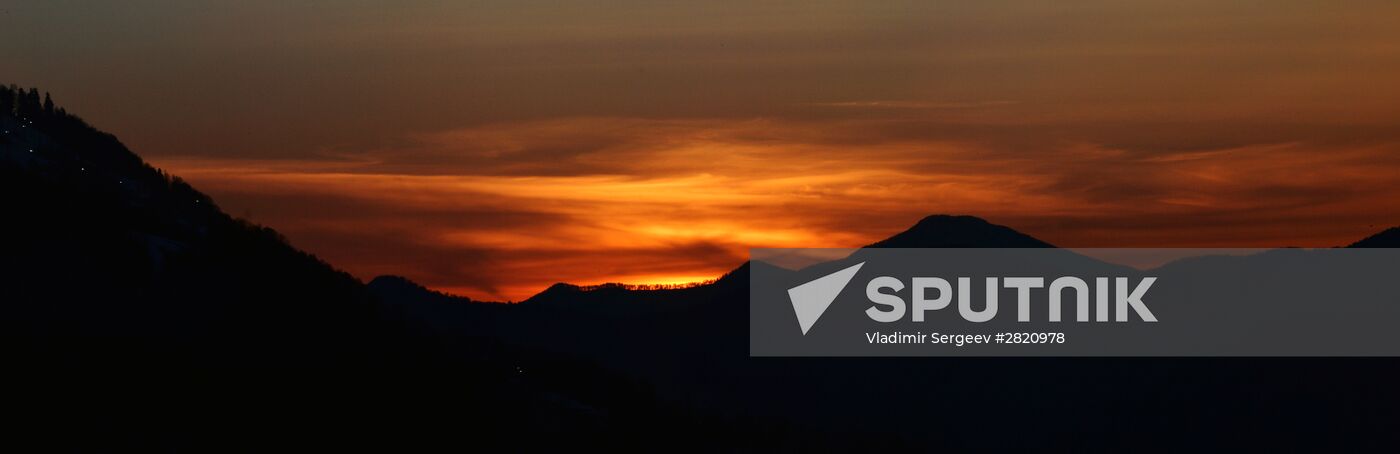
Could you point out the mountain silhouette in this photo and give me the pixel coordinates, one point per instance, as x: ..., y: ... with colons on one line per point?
x: 138, y: 315
x: 100, y: 243
x: 947, y: 231
x: 1390, y: 238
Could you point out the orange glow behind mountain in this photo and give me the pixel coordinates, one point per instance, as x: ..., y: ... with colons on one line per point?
x: 681, y: 201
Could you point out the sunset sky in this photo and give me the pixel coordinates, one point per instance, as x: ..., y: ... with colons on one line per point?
x: 490, y: 148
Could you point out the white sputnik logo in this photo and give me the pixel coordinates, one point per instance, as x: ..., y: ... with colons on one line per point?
x: 810, y: 300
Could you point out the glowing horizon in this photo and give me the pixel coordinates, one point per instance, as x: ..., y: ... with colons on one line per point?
x: 708, y: 190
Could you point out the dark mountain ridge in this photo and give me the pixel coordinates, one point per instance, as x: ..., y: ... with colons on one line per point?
x: 1390, y: 238
x: 136, y: 315
x: 949, y: 231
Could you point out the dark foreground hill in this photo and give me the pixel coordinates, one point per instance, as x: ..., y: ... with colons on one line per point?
x: 136, y: 314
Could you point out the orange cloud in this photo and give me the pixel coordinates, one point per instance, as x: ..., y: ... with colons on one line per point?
x: 502, y: 211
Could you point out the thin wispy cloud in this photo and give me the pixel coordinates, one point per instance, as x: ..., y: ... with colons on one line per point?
x: 916, y: 105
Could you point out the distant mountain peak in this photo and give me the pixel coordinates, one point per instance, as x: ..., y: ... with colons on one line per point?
x: 1390, y: 238
x: 953, y: 231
